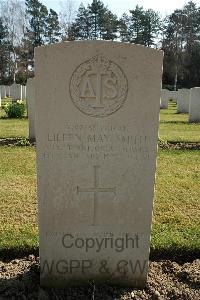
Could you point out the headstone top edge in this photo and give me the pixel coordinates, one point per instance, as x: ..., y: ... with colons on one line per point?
x: 102, y: 42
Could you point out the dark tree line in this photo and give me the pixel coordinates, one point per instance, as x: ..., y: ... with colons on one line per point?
x: 31, y: 24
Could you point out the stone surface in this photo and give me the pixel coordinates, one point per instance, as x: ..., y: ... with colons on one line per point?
x: 31, y: 107
x: 97, y: 117
x: 23, y: 92
x: 173, y: 95
x: 194, y: 107
x: 5, y: 91
x: 164, y: 99
x: 183, y: 101
x: 15, y: 91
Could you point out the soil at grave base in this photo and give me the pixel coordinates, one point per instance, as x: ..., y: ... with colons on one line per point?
x: 19, y: 279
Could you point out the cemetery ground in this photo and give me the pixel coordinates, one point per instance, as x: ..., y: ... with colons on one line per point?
x: 175, y: 243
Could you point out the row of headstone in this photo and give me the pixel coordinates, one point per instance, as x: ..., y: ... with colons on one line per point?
x: 15, y: 91
x: 194, y: 106
x: 188, y: 101
x: 97, y: 118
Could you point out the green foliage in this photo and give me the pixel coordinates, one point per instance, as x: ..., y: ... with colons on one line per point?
x: 94, y: 22
x: 43, y: 24
x: 181, y: 45
x: 4, y: 52
x: 15, y: 110
x: 140, y: 27
x: 23, y: 142
x: 52, y: 31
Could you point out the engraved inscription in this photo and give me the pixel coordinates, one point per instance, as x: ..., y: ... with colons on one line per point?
x: 96, y: 190
x: 98, y: 87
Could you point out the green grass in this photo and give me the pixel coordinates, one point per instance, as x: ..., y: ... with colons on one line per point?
x: 11, y: 128
x: 175, y: 127
x: 177, y: 207
x: 176, y: 211
x: 17, y: 198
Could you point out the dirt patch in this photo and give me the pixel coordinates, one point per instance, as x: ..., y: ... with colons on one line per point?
x: 179, y: 145
x: 19, y: 279
x: 17, y: 142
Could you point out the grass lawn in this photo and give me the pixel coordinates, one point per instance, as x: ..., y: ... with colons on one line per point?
x: 175, y: 127
x: 10, y: 128
x: 176, y: 212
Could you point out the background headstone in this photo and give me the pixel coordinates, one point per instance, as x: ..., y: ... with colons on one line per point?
x: 31, y: 107
x: 173, y: 95
x: 194, y: 107
x: 6, y: 91
x: 15, y: 91
x: 23, y: 92
x: 164, y: 99
x: 97, y: 117
x: 183, y: 101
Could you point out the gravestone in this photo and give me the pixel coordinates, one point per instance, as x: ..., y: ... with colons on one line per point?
x: 164, y: 99
x: 6, y: 91
x: 15, y: 91
x: 173, y: 95
x: 23, y: 92
x: 194, y: 107
x: 97, y: 117
x: 31, y: 107
x: 183, y: 101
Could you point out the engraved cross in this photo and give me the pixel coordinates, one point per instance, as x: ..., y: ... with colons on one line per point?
x: 96, y: 190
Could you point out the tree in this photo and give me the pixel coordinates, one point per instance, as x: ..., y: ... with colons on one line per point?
x: 137, y: 25
x: 67, y: 16
x: 151, y: 27
x: 37, y: 15
x: 109, y: 27
x: 52, y: 30
x: 81, y: 27
x: 4, y: 53
x: 140, y: 27
x: 97, y: 12
x: 124, y: 28
x: 94, y: 22
x: 181, y: 46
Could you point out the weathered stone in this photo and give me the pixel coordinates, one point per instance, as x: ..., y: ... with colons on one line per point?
x: 194, y: 107
x: 97, y: 117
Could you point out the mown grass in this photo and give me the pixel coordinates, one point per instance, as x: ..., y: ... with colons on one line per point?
x: 175, y: 127
x: 176, y: 223
x: 11, y: 128
x: 18, y: 209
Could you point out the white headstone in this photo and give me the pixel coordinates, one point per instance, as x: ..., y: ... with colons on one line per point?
x: 23, y: 92
x: 183, y: 101
x: 15, y: 92
x: 97, y: 118
x: 31, y: 107
x: 194, y: 107
x: 173, y: 95
x: 5, y: 91
x: 164, y: 99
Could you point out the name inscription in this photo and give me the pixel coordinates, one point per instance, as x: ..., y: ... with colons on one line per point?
x: 95, y: 143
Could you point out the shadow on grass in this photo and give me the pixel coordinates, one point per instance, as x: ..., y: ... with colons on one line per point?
x: 175, y: 122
